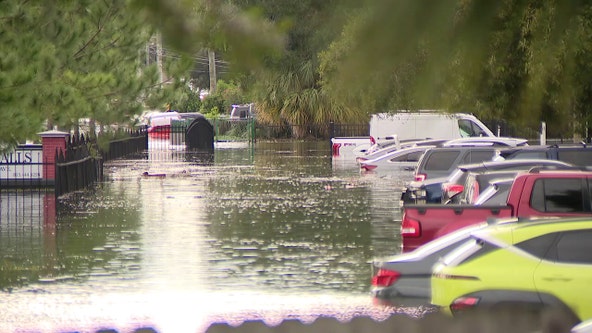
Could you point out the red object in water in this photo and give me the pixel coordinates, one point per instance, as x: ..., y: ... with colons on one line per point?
x: 161, y: 132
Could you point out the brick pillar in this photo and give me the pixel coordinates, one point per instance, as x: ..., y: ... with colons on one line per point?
x: 52, y: 141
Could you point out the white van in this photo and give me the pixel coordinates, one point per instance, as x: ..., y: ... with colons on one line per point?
x: 426, y: 125
x: 404, y: 126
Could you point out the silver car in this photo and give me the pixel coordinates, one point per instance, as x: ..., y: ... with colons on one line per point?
x: 404, y: 279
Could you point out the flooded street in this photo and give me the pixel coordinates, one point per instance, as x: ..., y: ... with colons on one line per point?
x: 176, y: 241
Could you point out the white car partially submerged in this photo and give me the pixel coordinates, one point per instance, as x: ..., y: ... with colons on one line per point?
x: 407, y: 158
x: 383, y: 148
x: 404, y: 158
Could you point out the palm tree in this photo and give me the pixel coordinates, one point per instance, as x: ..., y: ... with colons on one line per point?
x: 294, y: 98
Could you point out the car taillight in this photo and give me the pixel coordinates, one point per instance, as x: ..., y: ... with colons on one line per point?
x: 464, y: 303
x: 385, y: 277
x: 410, y: 227
x: 420, y: 177
x: 453, y: 189
x: 368, y: 167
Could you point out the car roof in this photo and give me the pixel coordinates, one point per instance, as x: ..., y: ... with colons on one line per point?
x: 462, y: 148
x: 401, y: 151
x: 486, y: 141
x: 493, y: 165
x: 511, y: 150
x: 517, y: 232
x: 496, y: 174
x: 504, y: 235
x: 559, y: 173
x: 501, y: 180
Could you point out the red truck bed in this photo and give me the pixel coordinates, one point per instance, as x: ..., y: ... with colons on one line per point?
x: 533, y: 194
x: 422, y: 223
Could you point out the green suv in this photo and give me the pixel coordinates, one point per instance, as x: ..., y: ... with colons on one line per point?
x: 539, y: 265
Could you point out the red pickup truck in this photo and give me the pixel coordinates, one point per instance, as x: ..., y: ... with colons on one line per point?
x: 533, y: 194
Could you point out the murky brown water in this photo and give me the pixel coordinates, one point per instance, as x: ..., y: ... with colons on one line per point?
x: 276, y: 231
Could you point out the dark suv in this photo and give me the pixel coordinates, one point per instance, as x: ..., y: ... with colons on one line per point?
x: 441, y: 162
x: 579, y: 155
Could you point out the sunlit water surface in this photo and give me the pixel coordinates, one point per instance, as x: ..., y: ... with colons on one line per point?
x: 274, y: 231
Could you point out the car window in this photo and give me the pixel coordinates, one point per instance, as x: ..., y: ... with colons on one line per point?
x: 575, y: 247
x: 528, y: 155
x: 470, y: 250
x: 560, y: 195
x: 465, y: 128
x: 576, y: 156
x: 475, y: 156
x: 409, y: 157
x: 441, y: 160
x: 538, y: 246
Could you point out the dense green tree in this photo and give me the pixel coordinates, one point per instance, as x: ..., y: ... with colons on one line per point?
x: 289, y: 90
x: 63, y: 60
x: 524, y: 61
x: 281, y: 69
x: 305, y: 62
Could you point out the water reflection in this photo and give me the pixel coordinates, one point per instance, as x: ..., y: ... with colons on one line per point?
x: 246, y: 230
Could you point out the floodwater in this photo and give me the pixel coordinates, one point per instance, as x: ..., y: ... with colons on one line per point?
x: 176, y: 241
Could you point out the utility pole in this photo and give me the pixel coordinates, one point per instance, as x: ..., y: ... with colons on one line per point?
x: 159, y: 57
x: 212, y: 66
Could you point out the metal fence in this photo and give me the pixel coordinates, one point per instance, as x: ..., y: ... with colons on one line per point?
x: 345, y: 130
x: 249, y: 130
x: 78, y: 166
x: 81, y: 164
x: 125, y: 143
x: 234, y: 129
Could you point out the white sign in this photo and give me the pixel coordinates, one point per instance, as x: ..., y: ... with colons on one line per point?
x: 23, y: 163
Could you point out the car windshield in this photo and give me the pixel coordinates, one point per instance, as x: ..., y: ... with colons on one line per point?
x: 455, y: 176
x: 462, y: 252
x: 496, y: 194
x: 485, y: 195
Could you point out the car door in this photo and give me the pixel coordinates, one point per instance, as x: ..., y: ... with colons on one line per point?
x: 566, y: 272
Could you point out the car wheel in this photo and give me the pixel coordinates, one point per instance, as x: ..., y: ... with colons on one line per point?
x: 555, y: 320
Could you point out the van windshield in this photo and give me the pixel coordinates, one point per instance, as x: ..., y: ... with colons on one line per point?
x: 468, y: 128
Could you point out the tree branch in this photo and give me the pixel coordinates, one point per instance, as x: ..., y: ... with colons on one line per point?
x: 94, y: 36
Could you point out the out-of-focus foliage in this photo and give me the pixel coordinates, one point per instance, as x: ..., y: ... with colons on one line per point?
x: 189, y: 26
x: 273, y: 43
x: 524, y: 61
x: 190, y: 101
x: 302, y: 62
x: 212, y: 105
x: 288, y: 91
x: 65, y: 60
